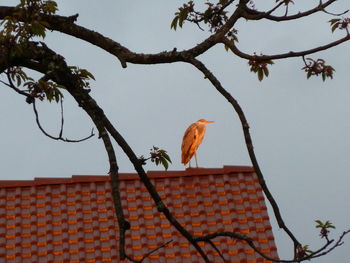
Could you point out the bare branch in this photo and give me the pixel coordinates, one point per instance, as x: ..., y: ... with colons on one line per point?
x: 250, y: 242
x: 290, y: 54
x: 335, y: 14
x: 253, y: 14
x: 245, y: 126
x: 217, y: 250
x: 59, y: 138
x: 123, y: 224
x: 149, y: 253
x: 337, y: 244
x: 319, y: 8
x: 286, y: 11
x: 62, y: 119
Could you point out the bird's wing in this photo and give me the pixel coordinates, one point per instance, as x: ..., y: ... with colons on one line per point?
x: 189, y: 143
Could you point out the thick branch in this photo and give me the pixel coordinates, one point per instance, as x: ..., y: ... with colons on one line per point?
x: 66, y: 25
x: 113, y: 172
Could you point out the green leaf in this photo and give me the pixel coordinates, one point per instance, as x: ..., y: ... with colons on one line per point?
x: 207, y: 15
x: 334, y: 27
x: 308, y: 75
x: 86, y: 74
x: 266, y: 71
x: 182, y: 16
x: 38, y: 29
x: 319, y: 223
x: 174, y: 23
x: 165, y: 163
x: 334, y: 23
x: 327, y: 224
x: 226, y: 47
x: 166, y: 156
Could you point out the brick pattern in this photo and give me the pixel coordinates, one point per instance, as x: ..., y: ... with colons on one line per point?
x: 75, y: 221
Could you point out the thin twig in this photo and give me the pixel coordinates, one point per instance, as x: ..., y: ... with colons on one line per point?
x: 15, y: 89
x: 290, y: 54
x: 154, y: 250
x: 311, y: 11
x: 250, y: 242
x: 335, y: 14
x: 337, y: 244
x: 286, y: 11
x: 12, y: 86
x: 148, y: 253
x: 62, y: 119
x: 59, y: 138
x: 217, y: 250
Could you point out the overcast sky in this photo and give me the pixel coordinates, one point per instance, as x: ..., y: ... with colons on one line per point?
x: 300, y: 128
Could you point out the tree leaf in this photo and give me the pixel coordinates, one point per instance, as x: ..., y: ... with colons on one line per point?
x: 260, y: 74
x: 166, y: 156
x: 165, y: 163
x: 266, y: 71
x: 174, y: 23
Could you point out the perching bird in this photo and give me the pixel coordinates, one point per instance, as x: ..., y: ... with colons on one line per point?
x: 193, y: 137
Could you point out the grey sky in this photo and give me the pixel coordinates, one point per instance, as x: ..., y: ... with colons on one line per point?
x: 300, y: 128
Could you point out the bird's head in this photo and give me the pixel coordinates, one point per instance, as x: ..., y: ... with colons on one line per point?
x: 202, y: 121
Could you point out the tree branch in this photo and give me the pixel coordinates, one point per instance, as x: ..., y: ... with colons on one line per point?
x: 250, y: 242
x: 290, y: 54
x: 62, y: 75
x: 257, y: 15
x: 337, y: 244
x: 66, y: 25
x: 123, y: 224
x: 12, y: 86
x: 58, y: 138
x: 149, y: 253
x: 245, y: 126
x: 38, y: 57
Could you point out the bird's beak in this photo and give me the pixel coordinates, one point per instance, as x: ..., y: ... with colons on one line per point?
x: 209, y: 121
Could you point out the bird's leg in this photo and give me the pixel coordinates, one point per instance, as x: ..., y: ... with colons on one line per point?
x: 195, y: 157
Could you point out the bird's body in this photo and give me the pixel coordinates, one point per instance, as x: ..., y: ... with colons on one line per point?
x: 193, y: 137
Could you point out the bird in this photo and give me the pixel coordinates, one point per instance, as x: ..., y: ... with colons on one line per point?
x: 193, y: 137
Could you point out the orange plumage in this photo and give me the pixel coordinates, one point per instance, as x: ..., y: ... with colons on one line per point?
x: 193, y: 137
